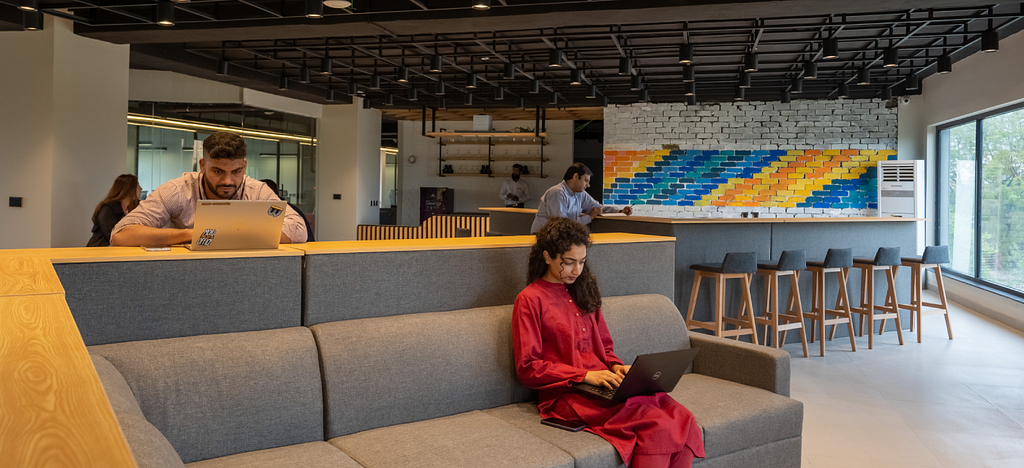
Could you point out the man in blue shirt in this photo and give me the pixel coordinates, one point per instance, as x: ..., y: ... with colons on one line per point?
x: 569, y: 200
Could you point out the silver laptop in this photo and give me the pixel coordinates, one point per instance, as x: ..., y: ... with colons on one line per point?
x: 649, y: 374
x: 238, y: 224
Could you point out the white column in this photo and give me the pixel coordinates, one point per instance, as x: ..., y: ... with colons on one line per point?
x: 348, y: 164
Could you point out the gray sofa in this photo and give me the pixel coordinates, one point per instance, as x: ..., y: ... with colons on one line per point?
x: 420, y: 390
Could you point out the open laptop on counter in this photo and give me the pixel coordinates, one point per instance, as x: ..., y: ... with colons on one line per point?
x: 238, y: 224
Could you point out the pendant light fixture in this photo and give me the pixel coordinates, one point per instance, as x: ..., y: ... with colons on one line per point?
x: 890, y: 57
x: 330, y: 95
x: 990, y: 40
x: 326, y: 66
x: 555, y: 58
x: 403, y: 74
x: 442, y: 104
x: 576, y: 77
x: 750, y: 62
x: 509, y: 73
x: 389, y: 99
x: 635, y: 83
x: 436, y: 63
x: 521, y: 103
x: 534, y: 86
x: 374, y: 81
x: 314, y: 9
x: 945, y: 64
x: 830, y: 49
x: 741, y: 94
x: 796, y: 85
x: 33, y: 21
x: 913, y: 82
x: 366, y: 104
x: 744, y: 79
x: 469, y: 100
x: 353, y: 88
x: 499, y: 93
x: 645, y: 96
x: 689, y: 74
x: 481, y: 4
x: 413, y: 94
x: 554, y: 98
x: 28, y: 5
x: 592, y: 92
x: 471, y: 80
x: 691, y: 89
x: 625, y: 66
x: 844, y: 90
x: 282, y: 84
x: 686, y: 53
x: 810, y: 70
x: 786, y: 97
x: 864, y: 76
x: 692, y: 101
x: 222, y: 68
x: 303, y: 75
x: 164, y: 13
x: 440, y: 88
x: 887, y: 94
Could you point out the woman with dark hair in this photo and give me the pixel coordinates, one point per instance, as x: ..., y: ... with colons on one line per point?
x: 560, y: 338
x: 123, y: 198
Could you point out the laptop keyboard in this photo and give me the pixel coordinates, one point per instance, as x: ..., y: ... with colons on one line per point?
x: 604, y: 391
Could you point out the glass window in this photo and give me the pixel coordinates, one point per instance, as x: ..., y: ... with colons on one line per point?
x: 1002, y: 200
x: 163, y: 154
x: 958, y: 146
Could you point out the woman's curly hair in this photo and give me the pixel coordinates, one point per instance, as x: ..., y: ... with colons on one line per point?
x: 556, y: 238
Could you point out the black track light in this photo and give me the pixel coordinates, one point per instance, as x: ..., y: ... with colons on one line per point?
x: 469, y: 99
x: 374, y: 81
x: 164, y: 13
x: 625, y: 66
x: 864, y: 76
x: 635, y: 83
x: 890, y: 57
x: 33, y: 21
x: 576, y: 77
x: 442, y: 104
x: 330, y: 95
x: 436, y: 63
x: 844, y: 90
x: 471, y: 80
x: 326, y: 66
x: 604, y: 101
x: 686, y: 53
x: 304, y: 75
x: 282, y: 84
x: 990, y: 41
x: 830, y: 49
x: 403, y: 74
x: 389, y: 99
x: 810, y: 70
x: 744, y: 79
x: 796, y: 85
x: 509, y: 72
x: 692, y: 100
x: 440, y: 88
x: 314, y: 8
x: 554, y: 98
x: 741, y: 94
x: 366, y: 104
x: 353, y: 88
x: 481, y: 4
x: 413, y: 94
x: 555, y: 58
x: 499, y: 93
x: 786, y: 97
x: 534, y: 86
x: 750, y: 62
x: 592, y: 92
x: 645, y: 96
x: 689, y: 74
x: 945, y: 64
x: 913, y: 82
x: 691, y: 88
x: 28, y: 5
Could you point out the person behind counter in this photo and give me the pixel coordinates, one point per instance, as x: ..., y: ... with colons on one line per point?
x: 309, y: 228
x: 569, y: 200
x: 168, y: 214
x: 515, y: 192
x: 559, y: 337
x: 121, y: 200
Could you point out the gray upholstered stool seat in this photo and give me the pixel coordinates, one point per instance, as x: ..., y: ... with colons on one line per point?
x: 740, y: 266
x: 886, y: 259
x: 934, y: 256
x: 791, y: 262
x: 838, y: 261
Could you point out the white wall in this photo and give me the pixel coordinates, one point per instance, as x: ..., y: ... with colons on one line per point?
x: 471, y: 193
x: 348, y: 164
x: 62, y: 104
x: 979, y: 83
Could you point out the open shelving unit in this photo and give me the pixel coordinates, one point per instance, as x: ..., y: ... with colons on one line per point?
x: 490, y: 140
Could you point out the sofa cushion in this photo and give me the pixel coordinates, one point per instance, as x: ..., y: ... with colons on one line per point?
x: 150, y: 448
x: 469, y: 440
x: 308, y: 455
x: 589, y: 450
x: 735, y: 417
x: 392, y: 370
x: 644, y: 324
x: 218, y: 395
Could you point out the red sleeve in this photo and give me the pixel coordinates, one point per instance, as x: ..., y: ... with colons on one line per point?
x: 532, y: 368
x: 606, y: 340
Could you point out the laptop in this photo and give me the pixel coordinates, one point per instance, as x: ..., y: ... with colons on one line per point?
x: 238, y: 224
x: 650, y: 374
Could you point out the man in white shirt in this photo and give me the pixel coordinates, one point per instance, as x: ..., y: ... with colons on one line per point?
x: 514, y: 191
x: 569, y: 200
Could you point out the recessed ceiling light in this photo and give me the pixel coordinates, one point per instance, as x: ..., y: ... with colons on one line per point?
x: 337, y: 3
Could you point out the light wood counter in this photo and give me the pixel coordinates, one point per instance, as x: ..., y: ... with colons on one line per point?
x: 531, y: 211
x: 460, y: 243
x: 24, y: 276
x: 134, y: 254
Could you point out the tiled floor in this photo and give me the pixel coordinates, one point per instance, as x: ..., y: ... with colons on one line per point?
x: 939, y: 403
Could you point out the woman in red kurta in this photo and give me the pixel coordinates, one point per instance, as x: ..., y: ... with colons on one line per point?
x: 560, y: 338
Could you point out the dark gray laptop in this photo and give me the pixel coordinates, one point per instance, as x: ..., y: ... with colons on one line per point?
x: 650, y: 374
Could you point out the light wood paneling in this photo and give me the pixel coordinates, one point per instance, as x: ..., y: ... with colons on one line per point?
x: 135, y: 254
x: 53, y: 411
x: 20, y: 276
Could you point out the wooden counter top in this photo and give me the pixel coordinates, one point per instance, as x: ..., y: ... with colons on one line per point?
x: 27, y: 276
x: 460, y: 243
x: 531, y: 211
x: 134, y: 254
x: 849, y: 219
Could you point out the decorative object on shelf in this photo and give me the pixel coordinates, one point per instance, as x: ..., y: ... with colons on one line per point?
x: 529, y: 147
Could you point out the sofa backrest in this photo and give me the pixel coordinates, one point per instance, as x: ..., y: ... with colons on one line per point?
x: 392, y: 370
x: 218, y: 395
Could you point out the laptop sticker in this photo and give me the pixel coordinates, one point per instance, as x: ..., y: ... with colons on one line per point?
x: 207, y: 237
x: 275, y: 211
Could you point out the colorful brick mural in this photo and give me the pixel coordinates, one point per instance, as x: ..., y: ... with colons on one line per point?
x: 824, y: 179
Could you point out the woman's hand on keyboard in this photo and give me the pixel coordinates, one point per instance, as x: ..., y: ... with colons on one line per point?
x: 603, y: 378
x: 620, y: 370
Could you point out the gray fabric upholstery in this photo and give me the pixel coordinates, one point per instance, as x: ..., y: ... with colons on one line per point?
x: 589, y: 450
x: 733, y: 416
x: 735, y: 262
x: 468, y: 440
x: 130, y: 301
x: 644, y: 324
x: 933, y: 255
x: 791, y: 260
x: 885, y: 256
x: 781, y: 454
x: 308, y: 455
x: 218, y: 395
x: 150, y: 448
x: 835, y: 258
x: 741, y: 362
x: 394, y: 370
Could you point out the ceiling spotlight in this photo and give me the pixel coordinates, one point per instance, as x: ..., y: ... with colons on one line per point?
x: 28, y: 5
x: 326, y: 66
x: 436, y: 63
x: 990, y: 41
x: 796, y: 85
x: 499, y: 93
x: 741, y: 94
x: 469, y: 99
x: 337, y: 3
x: 945, y: 64
x: 645, y: 96
x: 913, y: 82
x: 33, y: 21
x: 635, y: 83
x: 691, y: 88
x: 555, y: 58
x: 750, y: 62
x: 864, y: 76
x: 389, y: 100
x: 439, y: 90
x: 625, y: 66
x: 314, y: 8
x: 374, y: 81
x: 844, y: 90
x: 441, y: 104
x: 403, y: 74
x: 830, y: 49
x: 534, y: 86
x: 330, y: 95
x: 521, y: 103
x: 282, y: 84
x: 471, y: 80
x: 413, y: 95
x: 164, y: 13
x: 692, y: 101
x: 303, y: 75
x: 481, y: 4
x: 592, y: 92
x: 576, y: 76
x: 686, y: 53
x: 890, y: 57
x: 353, y: 88
x: 786, y: 97
x: 509, y: 73
x: 689, y: 74
x: 810, y: 70
x: 744, y: 79
x: 554, y: 98
x: 887, y: 94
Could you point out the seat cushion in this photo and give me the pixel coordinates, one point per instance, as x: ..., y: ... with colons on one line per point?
x: 734, y: 416
x: 467, y: 440
x: 589, y: 450
x: 709, y: 267
x: 309, y: 455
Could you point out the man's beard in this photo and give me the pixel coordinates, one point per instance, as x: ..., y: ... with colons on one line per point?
x: 515, y: 177
x: 212, y: 191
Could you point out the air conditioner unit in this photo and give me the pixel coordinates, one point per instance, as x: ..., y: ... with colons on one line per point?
x: 901, y: 192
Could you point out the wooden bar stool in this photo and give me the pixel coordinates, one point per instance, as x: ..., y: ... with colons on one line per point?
x: 790, y: 264
x: 838, y: 261
x: 933, y: 256
x: 887, y: 259
x: 735, y: 266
